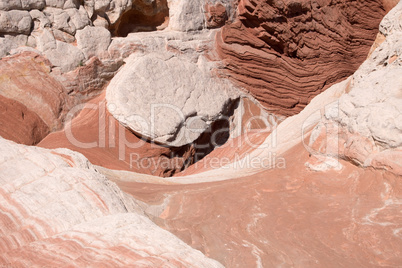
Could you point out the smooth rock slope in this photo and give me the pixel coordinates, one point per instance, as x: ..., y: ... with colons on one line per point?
x: 57, y: 210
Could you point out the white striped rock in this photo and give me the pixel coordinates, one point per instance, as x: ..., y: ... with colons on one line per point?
x: 56, y: 209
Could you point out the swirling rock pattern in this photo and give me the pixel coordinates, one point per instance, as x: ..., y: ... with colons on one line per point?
x: 57, y: 210
x: 286, y: 52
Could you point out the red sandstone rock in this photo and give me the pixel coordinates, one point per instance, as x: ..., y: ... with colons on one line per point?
x: 285, y: 53
x: 99, y: 136
x: 26, y: 78
x: 216, y: 15
x: 20, y: 124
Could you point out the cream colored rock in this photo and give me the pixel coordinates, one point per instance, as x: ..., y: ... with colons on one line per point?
x: 63, y: 3
x: 101, y: 5
x: 366, y: 121
x: 15, y: 22
x: 168, y: 99
x: 93, y: 41
x: 100, y: 21
x: 44, y: 39
x: 40, y: 20
x: 10, y: 42
x: 69, y: 20
x: 187, y: 15
x: 58, y: 58
x: 373, y: 107
x: 10, y: 5
x: 22, y: 4
x: 117, y: 8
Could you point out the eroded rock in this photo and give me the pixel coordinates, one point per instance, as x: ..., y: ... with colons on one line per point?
x: 286, y: 52
x: 366, y: 121
x: 93, y: 41
x: 15, y: 22
x: 169, y: 100
x: 65, y: 199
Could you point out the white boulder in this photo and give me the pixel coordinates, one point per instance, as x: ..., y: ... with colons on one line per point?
x: 168, y: 99
x: 93, y: 41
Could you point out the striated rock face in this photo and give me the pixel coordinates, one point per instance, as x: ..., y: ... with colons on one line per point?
x: 26, y: 78
x: 321, y: 188
x: 64, y: 211
x: 366, y: 121
x: 286, y: 52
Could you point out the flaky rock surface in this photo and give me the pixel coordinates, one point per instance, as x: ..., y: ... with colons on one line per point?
x: 286, y: 52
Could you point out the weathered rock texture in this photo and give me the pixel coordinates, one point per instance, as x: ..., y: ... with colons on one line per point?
x: 57, y: 210
x: 318, y: 189
x: 367, y: 119
x: 143, y: 16
x: 20, y: 124
x: 95, y: 133
x: 168, y: 99
x: 286, y: 52
x: 26, y: 78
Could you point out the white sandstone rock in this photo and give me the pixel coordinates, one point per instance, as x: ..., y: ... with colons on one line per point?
x: 169, y: 99
x: 10, y: 5
x: 22, y: 4
x: 186, y: 15
x: 63, y: 3
x: 69, y: 20
x: 101, y: 5
x: 10, y: 42
x: 15, y: 22
x: 50, y: 199
x: 65, y: 56
x: 100, y: 21
x: 33, y: 4
x: 93, y: 41
x: 373, y: 107
x: 44, y: 39
x: 117, y: 8
x: 40, y: 20
x: 189, y: 15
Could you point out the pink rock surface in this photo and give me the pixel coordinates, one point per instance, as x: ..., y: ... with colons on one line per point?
x: 329, y: 195
x: 57, y: 210
x: 20, y: 124
x: 290, y: 217
x: 115, y: 146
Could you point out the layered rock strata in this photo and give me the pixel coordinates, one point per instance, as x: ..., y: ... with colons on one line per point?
x: 286, y: 52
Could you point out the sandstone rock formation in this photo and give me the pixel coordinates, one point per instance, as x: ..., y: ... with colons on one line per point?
x: 314, y: 180
x: 26, y: 78
x: 286, y: 52
x: 169, y: 100
x: 368, y: 117
x: 95, y: 133
x: 20, y: 124
x: 64, y: 211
